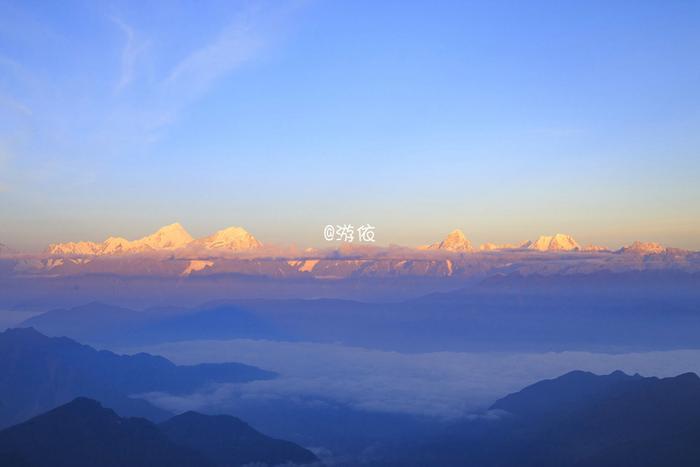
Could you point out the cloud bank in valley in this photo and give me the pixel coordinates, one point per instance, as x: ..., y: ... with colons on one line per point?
x: 443, y: 384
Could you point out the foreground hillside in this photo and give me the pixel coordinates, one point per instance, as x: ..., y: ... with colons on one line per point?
x: 83, y: 433
x: 579, y: 420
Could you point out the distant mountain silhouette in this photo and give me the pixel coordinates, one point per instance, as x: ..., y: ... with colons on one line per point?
x: 229, y: 442
x: 601, y: 312
x: 579, y: 420
x: 567, y: 393
x: 634, y: 422
x: 105, y: 323
x: 83, y: 433
x: 38, y: 373
x: 92, y: 319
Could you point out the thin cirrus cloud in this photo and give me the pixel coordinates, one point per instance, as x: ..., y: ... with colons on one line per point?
x: 238, y: 42
x: 195, y: 74
x: 14, y: 69
x: 16, y: 105
x: 131, y: 51
x: 156, y: 95
x: 86, y: 119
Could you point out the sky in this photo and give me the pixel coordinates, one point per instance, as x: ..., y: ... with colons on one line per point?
x: 508, y: 120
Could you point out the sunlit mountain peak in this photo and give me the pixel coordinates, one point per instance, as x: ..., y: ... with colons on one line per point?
x: 455, y: 241
x: 557, y: 242
x: 231, y: 238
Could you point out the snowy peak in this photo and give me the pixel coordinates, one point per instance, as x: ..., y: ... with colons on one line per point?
x: 74, y: 248
x: 456, y: 241
x: 644, y: 248
x: 558, y: 242
x: 170, y: 237
x: 231, y: 238
x: 114, y: 245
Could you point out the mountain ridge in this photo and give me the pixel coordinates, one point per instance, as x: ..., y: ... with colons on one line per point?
x: 174, y: 237
x: 68, y: 369
x: 579, y: 419
x: 84, y: 433
x: 455, y: 242
x: 167, y: 238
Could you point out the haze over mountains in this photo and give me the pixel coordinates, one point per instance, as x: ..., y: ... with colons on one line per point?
x: 637, y: 310
x: 546, y: 296
x: 579, y: 419
x: 38, y: 372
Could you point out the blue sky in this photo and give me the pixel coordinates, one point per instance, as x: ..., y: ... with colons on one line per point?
x: 505, y: 119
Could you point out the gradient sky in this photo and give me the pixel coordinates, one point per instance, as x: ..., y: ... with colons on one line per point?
x: 505, y: 119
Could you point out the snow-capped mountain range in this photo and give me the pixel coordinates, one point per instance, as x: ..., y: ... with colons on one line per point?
x: 456, y: 241
x: 170, y: 237
x: 557, y: 242
x: 174, y: 237
x: 644, y: 248
x: 172, y: 252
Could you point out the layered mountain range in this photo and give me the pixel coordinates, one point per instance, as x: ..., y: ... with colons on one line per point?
x: 638, y: 310
x: 579, y: 419
x: 84, y: 433
x: 39, y: 372
x: 66, y: 378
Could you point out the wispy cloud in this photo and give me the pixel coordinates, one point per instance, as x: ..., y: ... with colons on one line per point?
x: 238, y: 42
x: 195, y: 74
x: 14, y: 67
x: 130, y: 53
x: 17, y: 106
x: 18, y: 73
x: 64, y: 112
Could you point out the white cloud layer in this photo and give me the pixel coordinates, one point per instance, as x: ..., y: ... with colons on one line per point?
x: 445, y: 384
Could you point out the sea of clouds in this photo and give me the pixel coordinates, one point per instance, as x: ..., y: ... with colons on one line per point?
x: 443, y: 384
